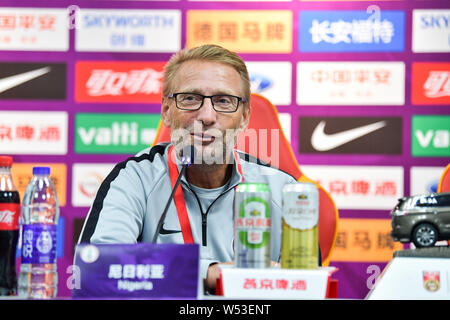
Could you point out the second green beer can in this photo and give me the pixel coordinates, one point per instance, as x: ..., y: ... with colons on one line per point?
x: 252, y: 226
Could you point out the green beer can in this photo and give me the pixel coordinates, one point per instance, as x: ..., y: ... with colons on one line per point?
x: 252, y: 226
x: 300, y: 219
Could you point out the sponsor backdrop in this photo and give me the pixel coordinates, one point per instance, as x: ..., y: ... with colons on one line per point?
x: 363, y: 88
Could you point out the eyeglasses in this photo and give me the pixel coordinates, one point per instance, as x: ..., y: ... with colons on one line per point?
x: 193, y: 101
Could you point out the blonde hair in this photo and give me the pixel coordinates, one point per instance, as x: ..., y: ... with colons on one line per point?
x: 208, y: 52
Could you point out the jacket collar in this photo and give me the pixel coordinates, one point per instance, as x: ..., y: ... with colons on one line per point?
x: 236, y: 174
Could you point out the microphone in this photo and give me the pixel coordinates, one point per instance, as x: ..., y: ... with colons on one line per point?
x: 187, y: 155
x: 187, y: 158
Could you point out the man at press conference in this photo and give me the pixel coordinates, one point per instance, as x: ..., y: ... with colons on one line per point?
x: 206, y: 104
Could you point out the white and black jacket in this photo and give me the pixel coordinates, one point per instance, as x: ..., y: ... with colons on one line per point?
x: 131, y: 199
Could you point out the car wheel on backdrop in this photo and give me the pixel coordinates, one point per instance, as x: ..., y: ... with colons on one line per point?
x: 424, y: 235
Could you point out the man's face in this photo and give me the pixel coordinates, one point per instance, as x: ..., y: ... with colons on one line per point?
x: 212, y: 133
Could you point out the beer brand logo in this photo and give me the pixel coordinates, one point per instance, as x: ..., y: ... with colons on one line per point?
x: 302, y: 197
x: 253, y: 223
x: 431, y: 281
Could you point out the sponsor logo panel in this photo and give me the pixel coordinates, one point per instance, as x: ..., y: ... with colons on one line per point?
x: 359, y: 187
x: 237, y: 0
x: 22, y: 174
x: 32, y: 80
x: 365, y: 240
x: 341, y: 0
x: 430, y: 136
x: 351, y: 83
x: 425, y: 179
x: 246, y: 31
x: 35, y: 29
x: 128, y: 30
x: 351, y: 31
x: 87, y: 178
x: 431, y: 30
x: 272, y: 80
x: 114, y: 132
x: 116, y: 82
x: 350, y: 135
x: 431, y: 82
x: 33, y: 132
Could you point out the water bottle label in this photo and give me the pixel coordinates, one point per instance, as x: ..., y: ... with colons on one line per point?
x: 39, y: 243
x: 9, y: 216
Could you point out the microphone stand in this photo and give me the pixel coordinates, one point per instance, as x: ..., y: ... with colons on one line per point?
x: 187, y: 157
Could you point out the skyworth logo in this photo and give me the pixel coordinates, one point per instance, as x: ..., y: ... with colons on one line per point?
x: 431, y: 30
x: 351, y: 31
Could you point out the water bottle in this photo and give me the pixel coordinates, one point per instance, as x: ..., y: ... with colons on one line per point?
x: 9, y: 228
x: 38, y: 278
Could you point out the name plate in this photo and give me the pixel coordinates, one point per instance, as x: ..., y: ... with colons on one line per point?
x: 274, y: 283
x: 413, y: 278
x: 141, y: 270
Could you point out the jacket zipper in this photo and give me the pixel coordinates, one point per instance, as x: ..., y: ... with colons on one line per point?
x: 205, y: 214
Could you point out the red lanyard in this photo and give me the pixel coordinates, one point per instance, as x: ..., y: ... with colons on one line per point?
x: 180, y: 204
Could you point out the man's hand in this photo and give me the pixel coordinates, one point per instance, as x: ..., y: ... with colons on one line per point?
x: 214, y: 273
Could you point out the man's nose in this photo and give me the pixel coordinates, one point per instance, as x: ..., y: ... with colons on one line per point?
x: 207, y: 114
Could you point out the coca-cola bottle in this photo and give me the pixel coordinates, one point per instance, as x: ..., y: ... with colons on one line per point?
x: 9, y: 228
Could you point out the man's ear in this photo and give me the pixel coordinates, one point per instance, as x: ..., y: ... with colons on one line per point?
x: 165, y: 112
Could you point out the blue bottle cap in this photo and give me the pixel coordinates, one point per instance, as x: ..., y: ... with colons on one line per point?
x: 41, y: 170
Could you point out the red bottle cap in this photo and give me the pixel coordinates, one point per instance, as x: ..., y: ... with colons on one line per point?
x: 6, y: 161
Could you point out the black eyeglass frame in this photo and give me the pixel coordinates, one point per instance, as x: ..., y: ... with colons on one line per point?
x: 240, y: 99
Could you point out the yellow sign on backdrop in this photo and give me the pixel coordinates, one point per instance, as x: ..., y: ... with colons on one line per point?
x: 245, y: 31
x: 23, y: 172
x: 365, y: 240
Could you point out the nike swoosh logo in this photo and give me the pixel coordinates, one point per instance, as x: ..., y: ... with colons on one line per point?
x: 324, y: 142
x: 164, y: 231
x: 18, y: 79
